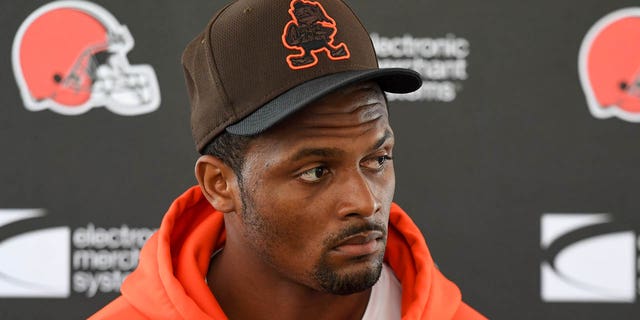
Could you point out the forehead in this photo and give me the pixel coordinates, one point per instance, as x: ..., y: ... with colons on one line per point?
x: 351, y: 120
x: 353, y: 115
x: 343, y: 128
x: 352, y: 107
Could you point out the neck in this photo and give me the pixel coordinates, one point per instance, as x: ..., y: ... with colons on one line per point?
x: 249, y: 289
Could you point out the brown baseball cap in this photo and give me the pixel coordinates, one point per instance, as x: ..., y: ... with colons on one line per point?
x: 258, y: 61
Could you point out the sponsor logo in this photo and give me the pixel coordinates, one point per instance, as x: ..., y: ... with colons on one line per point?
x: 587, y: 258
x: 442, y: 63
x: 59, y: 261
x: 609, y: 66
x: 35, y: 263
x: 103, y: 257
x: 80, y: 64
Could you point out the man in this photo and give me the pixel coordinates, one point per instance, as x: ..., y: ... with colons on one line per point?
x: 292, y: 217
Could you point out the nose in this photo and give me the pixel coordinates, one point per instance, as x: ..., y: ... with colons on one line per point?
x: 357, y: 197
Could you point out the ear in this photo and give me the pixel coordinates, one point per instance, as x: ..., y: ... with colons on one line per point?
x: 218, y: 183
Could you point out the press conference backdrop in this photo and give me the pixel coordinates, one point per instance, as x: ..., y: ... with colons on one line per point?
x: 518, y: 158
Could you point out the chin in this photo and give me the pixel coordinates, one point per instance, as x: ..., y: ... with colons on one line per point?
x: 357, y: 277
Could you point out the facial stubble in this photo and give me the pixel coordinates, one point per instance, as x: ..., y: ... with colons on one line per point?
x: 263, y: 235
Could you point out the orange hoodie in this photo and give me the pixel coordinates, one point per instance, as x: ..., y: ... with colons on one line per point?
x: 169, y: 281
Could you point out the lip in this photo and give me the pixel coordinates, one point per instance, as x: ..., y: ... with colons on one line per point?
x: 361, y: 244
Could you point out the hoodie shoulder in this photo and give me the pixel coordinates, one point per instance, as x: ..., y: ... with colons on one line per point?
x: 426, y: 292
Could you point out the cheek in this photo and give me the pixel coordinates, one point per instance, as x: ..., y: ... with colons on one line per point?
x: 391, y: 186
x: 292, y: 229
x: 384, y: 185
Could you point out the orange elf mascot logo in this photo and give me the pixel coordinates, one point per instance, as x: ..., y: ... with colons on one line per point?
x: 311, y: 31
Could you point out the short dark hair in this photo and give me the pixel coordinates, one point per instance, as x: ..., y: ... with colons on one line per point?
x: 230, y: 148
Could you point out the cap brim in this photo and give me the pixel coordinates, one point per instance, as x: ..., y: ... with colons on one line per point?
x: 393, y: 80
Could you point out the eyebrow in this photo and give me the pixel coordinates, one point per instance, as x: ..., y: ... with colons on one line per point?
x: 316, y: 152
x: 334, y: 152
x: 381, y: 141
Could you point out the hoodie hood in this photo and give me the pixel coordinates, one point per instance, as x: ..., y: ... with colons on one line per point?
x: 169, y: 282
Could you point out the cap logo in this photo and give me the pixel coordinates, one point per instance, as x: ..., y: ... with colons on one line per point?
x: 311, y: 31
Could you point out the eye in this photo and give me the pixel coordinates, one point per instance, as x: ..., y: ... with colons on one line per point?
x: 313, y: 174
x: 377, y: 163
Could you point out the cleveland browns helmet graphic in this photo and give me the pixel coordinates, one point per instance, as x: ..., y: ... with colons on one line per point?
x: 71, y: 56
x: 609, y: 66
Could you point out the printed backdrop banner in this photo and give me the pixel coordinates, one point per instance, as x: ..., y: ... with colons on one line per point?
x: 517, y: 158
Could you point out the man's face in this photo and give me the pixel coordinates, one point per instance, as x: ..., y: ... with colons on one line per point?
x: 317, y: 190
